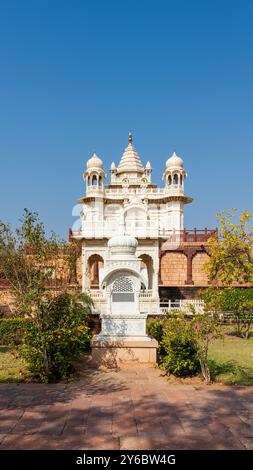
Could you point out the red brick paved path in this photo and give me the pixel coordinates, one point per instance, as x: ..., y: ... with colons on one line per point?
x: 130, y: 409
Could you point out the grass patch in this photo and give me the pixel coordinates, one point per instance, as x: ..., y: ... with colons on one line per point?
x: 231, y: 360
x: 12, y: 367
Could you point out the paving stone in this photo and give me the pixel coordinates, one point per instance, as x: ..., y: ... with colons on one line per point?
x: 31, y: 418
x: 63, y: 443
x: 7, y: 425
x: 237, y: 426
x: 101, y: 442
x: 18, y: 442
x: 24, y: 429
x: 144, y: 442
x: 127, y: 409
x: 2, y: 437
x: 78, y: 417
x: 52, y: 427
x: 73, y: 430
x: 247, y: 442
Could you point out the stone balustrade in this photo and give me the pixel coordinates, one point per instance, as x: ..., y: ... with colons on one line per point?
x: 148, y: 303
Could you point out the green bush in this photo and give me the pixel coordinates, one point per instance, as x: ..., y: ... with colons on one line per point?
x: 184, y: 343
x: 181, y: 358
x: 59, y: 336
x: 10, y: 330
x: 155, y: 328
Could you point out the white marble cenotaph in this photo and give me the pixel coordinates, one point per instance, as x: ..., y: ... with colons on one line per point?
x: 123, y: 340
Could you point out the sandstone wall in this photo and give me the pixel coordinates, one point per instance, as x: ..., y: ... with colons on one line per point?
x: 199, y: 277
x: 173, y: 269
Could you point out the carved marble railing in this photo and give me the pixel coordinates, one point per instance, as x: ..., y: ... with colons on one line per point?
x: 148, y: 304
x: 147, y: 294
x: 182, y: 304
x: 150, y: 192
x: 149, y: 230
x: 97, y: 294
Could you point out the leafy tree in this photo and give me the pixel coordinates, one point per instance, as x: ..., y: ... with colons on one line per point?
x: 231, y: 263
x: 65, y: 336
x: 237, y: 302
x: 204, y: 329
x: 30, y: 261
x: 231, y: 256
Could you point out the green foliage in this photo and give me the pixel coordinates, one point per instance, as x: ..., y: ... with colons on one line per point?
x: 236, y: 301
x: 184, y: 342
x: 213, y: 299
x: 50, y: 345
x: 25, y: 257
x: 204, y: 329
x: 230, y: 373
x: 230, y: 359
x: 56, y: 333
x: 231, y: 257
x: 10, y: 330
x: 181, y: 357
x: 155, y: 328
x: 12, y: 367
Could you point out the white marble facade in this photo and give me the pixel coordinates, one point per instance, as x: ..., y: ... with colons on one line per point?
x: 129, y: 204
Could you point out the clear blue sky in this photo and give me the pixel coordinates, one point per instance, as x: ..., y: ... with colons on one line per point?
x: 76, y: 75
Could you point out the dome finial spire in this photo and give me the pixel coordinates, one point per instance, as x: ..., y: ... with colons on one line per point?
x: 130, y: 137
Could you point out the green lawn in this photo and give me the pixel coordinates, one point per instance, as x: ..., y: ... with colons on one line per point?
x: 12, y: 367
x: 231, y: 360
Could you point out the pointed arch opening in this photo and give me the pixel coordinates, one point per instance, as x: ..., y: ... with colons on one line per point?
x: 147, y: 269
x: 175, y: 179
x: 95, y: 264
x: 94, y: 180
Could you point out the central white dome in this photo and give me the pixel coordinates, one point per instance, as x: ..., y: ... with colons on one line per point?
x: 123, y: 241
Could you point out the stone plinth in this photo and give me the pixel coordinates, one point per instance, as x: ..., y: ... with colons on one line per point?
x: 121, y: 353
x: 122, y: 326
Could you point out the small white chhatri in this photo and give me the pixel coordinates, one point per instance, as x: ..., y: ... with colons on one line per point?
x: 122, y: 282
x: 123, y: 338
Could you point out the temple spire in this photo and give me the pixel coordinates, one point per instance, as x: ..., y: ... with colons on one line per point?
x: 130, y: 161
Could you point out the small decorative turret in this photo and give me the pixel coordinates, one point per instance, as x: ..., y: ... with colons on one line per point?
x: 174, y: 161
x: 113, y: 167
x: 113, y: 171
x: 94, y: 175
x: 94, y: 162
x: 148, y: 171
x: 174, y: 174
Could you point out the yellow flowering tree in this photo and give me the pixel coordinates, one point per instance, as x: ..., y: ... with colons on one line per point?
x: 231, y: 256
